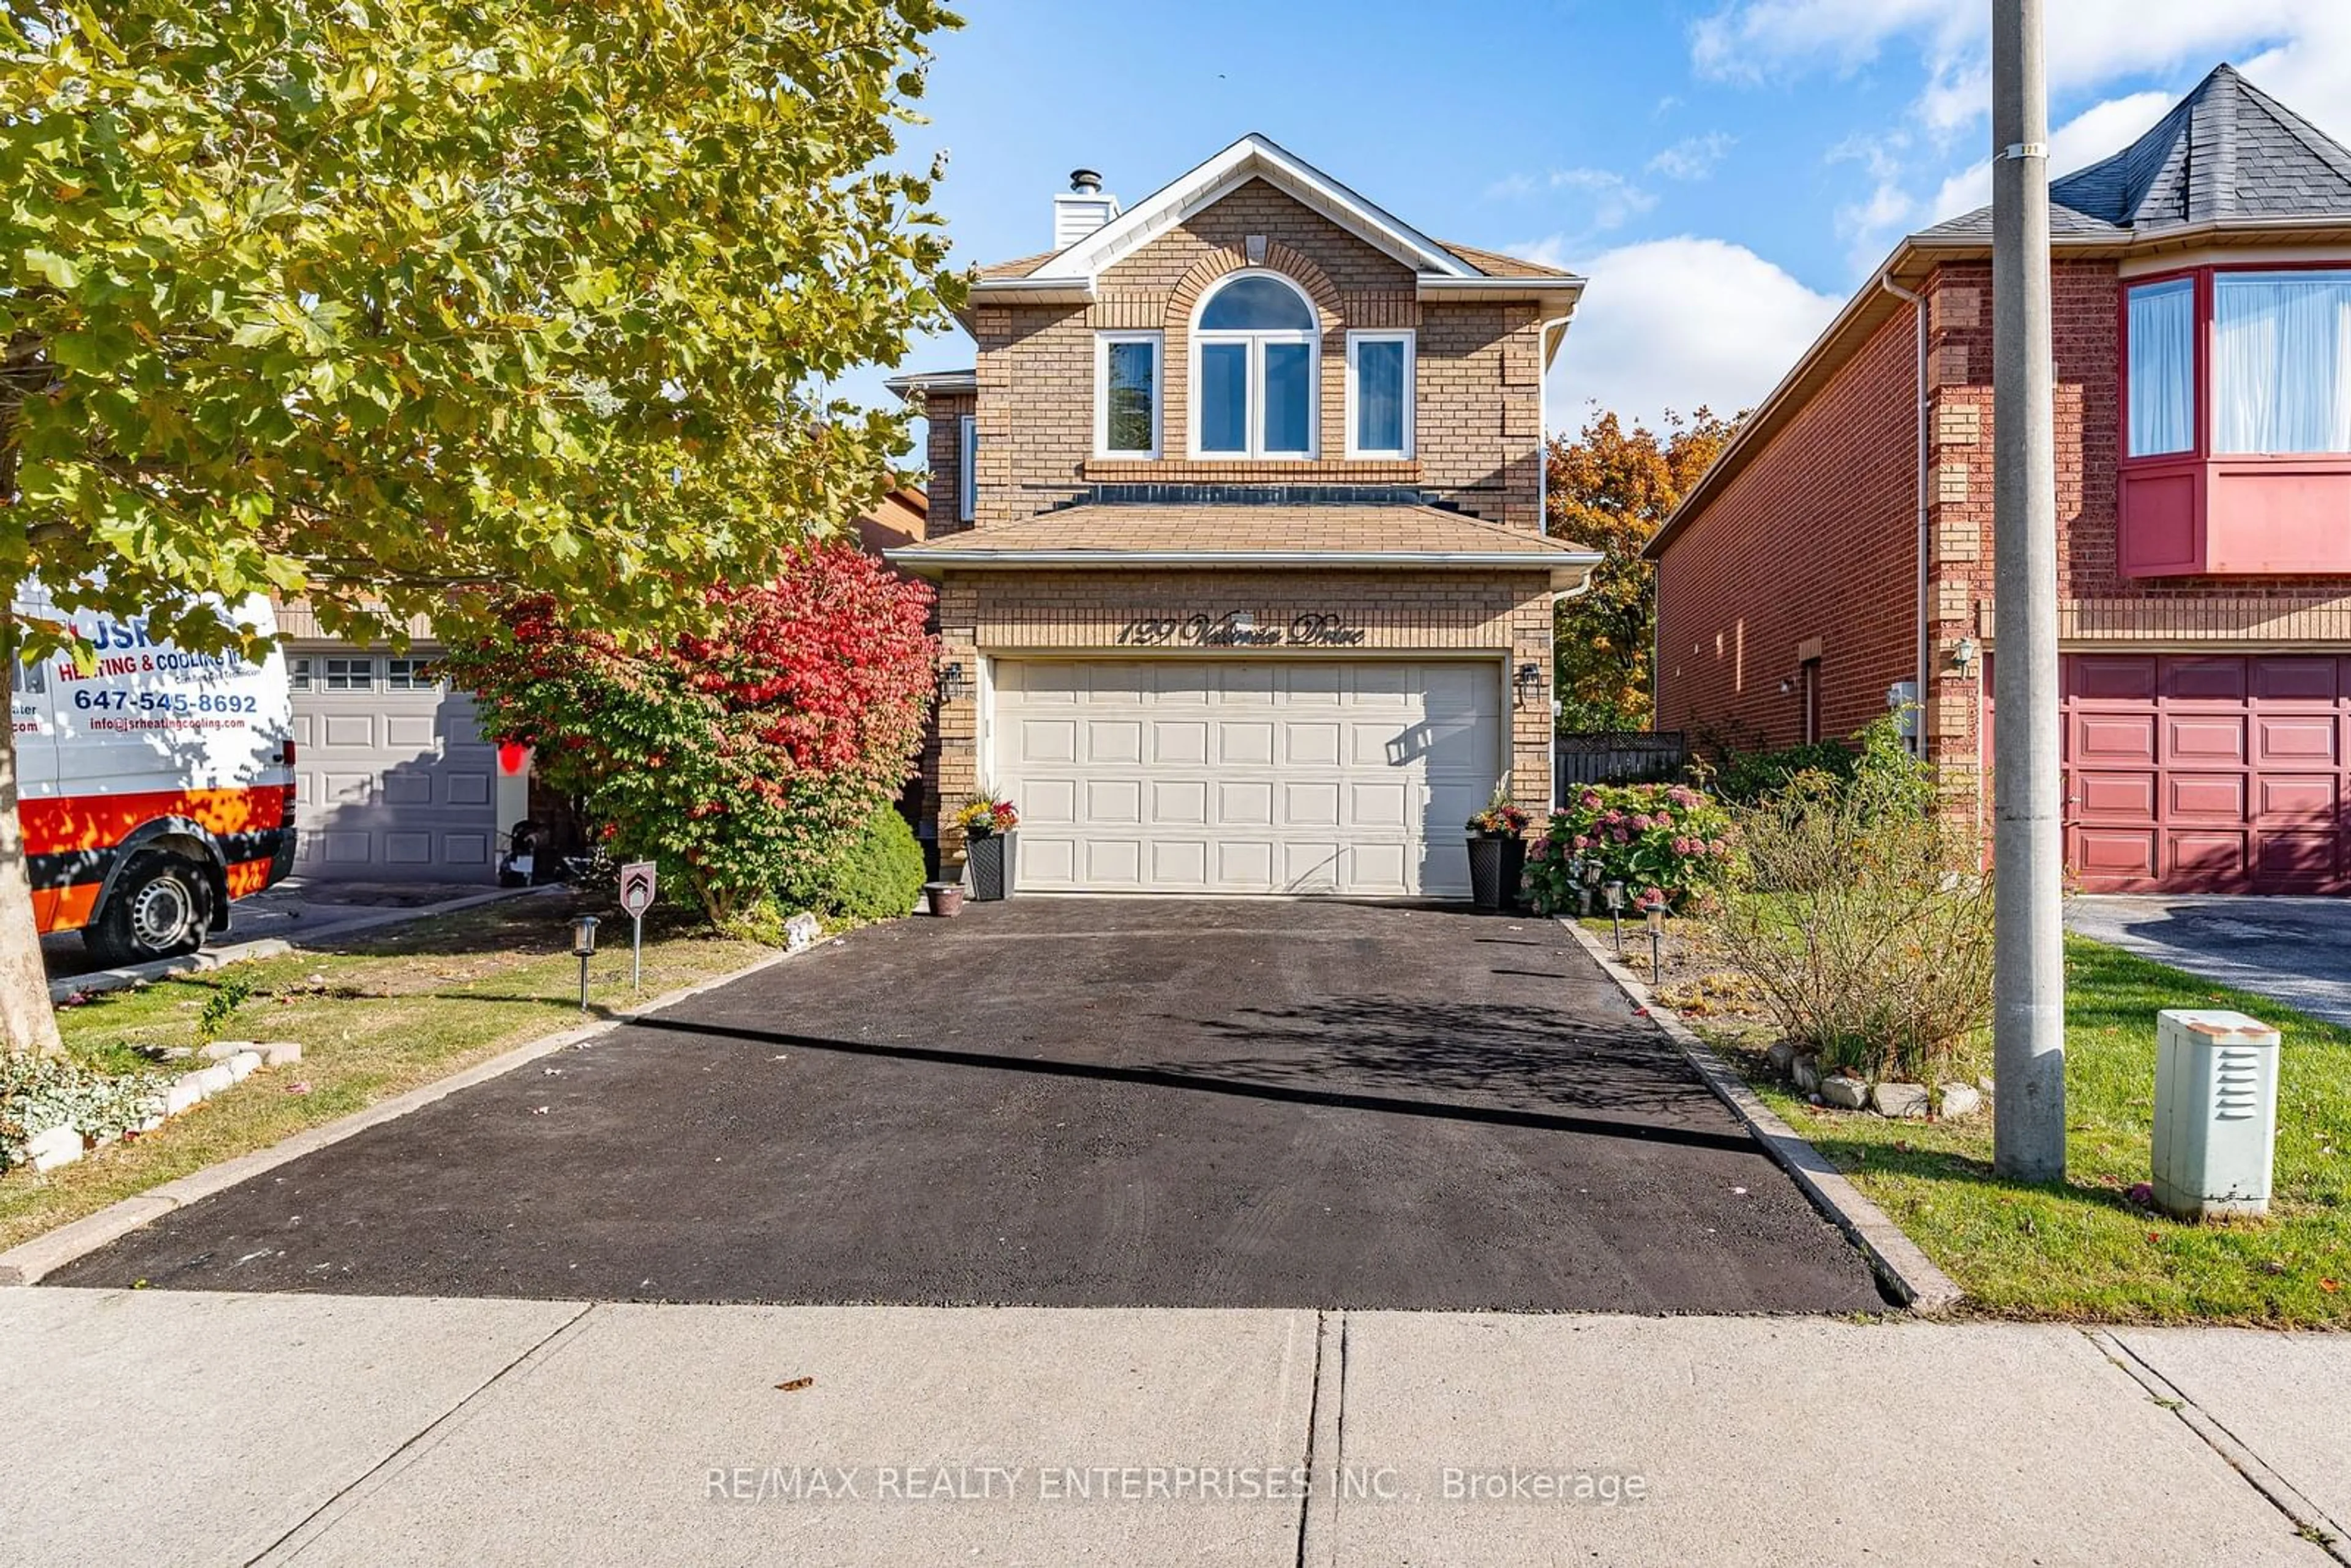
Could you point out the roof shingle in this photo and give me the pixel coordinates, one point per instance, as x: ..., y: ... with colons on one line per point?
x: 1114, y: 530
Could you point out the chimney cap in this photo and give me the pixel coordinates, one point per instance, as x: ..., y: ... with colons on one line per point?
x: 1085, y: 181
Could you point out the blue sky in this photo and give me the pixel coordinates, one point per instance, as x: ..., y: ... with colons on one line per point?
x: 1726, y: 172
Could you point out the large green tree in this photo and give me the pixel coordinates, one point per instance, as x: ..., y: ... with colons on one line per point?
x: 1611, y: 489
x: 395, y: 304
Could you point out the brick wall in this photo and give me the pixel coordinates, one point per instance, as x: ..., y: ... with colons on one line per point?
x: 943, y: 412
x: 1815, y: 541
x: 982, y: 613
x: 1478, y: 394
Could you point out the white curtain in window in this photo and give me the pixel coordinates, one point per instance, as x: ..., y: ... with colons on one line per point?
x: 2280, y: 383
x: 2163, y: 368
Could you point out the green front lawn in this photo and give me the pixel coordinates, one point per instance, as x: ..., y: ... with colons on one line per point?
x: 375, y: 1017
x: 2083, y: 1250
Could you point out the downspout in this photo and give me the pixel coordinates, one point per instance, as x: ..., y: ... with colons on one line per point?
x: 1925, y: 652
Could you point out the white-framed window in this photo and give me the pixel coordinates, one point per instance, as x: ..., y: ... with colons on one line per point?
x: 1379, y: 395
x: 1126, y: 394
x: 1256, y: 353
x: 298, y: 672
x: 410, y: 674
x: 967, y: 475
x: 351, y: 674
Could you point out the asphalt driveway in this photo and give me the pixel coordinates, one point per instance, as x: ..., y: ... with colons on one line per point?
x: 2292, y: 950
x: 1075, y: 1101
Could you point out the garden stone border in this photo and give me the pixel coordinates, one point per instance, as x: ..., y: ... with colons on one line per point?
x: 1906, y: 1269
x: 29, y: 1261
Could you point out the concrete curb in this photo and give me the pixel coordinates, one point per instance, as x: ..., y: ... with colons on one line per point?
x: 28, y: 1262
x: 1908, y: 1271
x: 100, y: 981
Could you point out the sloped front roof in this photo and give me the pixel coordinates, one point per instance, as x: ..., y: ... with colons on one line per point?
x: 1358, y: 535
x: 2226, y: 152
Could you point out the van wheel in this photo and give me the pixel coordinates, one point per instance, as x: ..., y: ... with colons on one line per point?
x: 160, y: 905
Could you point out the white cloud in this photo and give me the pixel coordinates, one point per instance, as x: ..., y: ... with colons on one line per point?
x: 1677, y: 323
x: 1693, y: 157
x: 1615, y: 199
x: 2094, y: 134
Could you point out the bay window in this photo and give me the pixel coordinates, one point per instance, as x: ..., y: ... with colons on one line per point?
x: 2236, y: 421
x: 1254, y: 354
x: 1379, y: 395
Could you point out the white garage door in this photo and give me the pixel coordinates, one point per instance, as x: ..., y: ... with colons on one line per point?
x: 393, y: 780
x: 1237, y: 777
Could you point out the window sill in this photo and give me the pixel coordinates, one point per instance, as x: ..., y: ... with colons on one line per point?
x: 1242, y: 470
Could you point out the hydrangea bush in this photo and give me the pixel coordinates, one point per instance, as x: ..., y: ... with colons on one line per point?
x: 1667, y: 843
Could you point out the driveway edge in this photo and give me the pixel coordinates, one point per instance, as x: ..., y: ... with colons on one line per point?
x: 28, y: 1262
x: 1906, y: 1269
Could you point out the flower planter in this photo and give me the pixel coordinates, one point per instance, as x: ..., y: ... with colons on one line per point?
x: 944, y: 899
x: 989, y: 860
x: 1496, y: 866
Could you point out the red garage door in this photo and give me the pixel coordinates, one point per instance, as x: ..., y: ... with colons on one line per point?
x: 2193, y: 773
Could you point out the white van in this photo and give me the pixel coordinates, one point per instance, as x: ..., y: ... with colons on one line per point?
x: 155, y: 789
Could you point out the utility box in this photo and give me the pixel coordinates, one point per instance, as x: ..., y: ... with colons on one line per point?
x: 2216, y: 1076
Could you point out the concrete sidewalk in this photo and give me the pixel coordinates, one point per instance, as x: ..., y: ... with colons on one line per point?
x: 209, y: 1428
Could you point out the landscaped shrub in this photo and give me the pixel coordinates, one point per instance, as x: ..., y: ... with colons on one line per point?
x: 1874, y: 763
x: 1866, y: 926
x: 40, y: 1091
x: 1667, y: 843
x: 877, y: 876
x: 740, y: 756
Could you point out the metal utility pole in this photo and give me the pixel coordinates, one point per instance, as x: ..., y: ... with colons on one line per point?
x: 2028, y: 842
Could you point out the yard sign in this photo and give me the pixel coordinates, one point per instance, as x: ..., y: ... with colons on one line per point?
x: 636, y: 897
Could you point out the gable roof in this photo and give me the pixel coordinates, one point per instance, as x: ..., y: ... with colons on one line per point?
x: 2228, y: 164
x: 1069, y: 275
x: 2228, y: 152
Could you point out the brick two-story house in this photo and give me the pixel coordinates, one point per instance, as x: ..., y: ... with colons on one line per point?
x: 1236, y: 524
x: 1838, y: 555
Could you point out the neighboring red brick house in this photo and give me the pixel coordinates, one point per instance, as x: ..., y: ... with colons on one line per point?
x: 1237, y: 528
x: 1837, y: 558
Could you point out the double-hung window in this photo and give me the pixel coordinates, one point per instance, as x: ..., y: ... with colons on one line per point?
x: 1126, y: 394
x: 1379, y: 395
x: 1255, y: 349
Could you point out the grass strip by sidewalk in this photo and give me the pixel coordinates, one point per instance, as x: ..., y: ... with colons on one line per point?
x: 2082, y: 1250
x: 376, y: 1016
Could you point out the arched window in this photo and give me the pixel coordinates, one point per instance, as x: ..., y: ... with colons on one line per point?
x: 1255, y: 354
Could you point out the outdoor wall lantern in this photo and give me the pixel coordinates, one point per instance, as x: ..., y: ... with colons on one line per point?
x: 583, y: 946
x: 951, y: 681
x: 1963, y: 655
x: 1526, y: 684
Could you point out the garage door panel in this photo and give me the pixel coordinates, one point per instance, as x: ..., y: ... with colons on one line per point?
x: 407, y: 849
x: 412, y: 732
x: 2195, y: 680
x: 2114, y: 739
x: 2315, y: 680
x: 2129, y: 796
x: 468, y: 788
x: 408, y: 787
x: 1179, y: 862
x: 1179, y: 802
x: 2129, y: 679
x: 2194, y: 739
x: 2206, y: 854
x: 2295, y: 741
x: 2116, y: 851
x: 2295, y: 860
x: 1048, y: 739
x: 348, y: 729
x: 1296, y: 776
x: 2285, y: 799
x: 2212, y: 796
